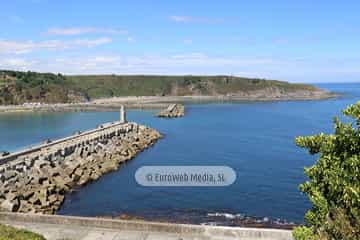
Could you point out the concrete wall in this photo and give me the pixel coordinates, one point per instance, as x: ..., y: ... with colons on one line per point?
x: 143, y: 226
x: 103, y: 131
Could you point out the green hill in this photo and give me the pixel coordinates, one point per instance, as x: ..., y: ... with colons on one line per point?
x: 19, y: 87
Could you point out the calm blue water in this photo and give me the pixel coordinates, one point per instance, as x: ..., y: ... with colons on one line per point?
x: 255, y: 139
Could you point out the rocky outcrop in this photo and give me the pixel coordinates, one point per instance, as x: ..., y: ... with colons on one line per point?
x: 172, y: 111
x: 38, y: 180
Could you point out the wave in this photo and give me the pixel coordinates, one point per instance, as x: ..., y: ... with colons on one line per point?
x: 231, y: 219
x: 205, y: 217
x: 227, y: 215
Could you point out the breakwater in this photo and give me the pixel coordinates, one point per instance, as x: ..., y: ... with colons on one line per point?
x: 172, y: 111
x: 36, y: 179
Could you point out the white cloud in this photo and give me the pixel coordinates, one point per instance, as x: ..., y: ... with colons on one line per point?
x: 86, y: 30
x: 89, y: 42
x: 16, y: 63
x: 22, y: 47
x: 192, y: 63
x: 183, y: 19
x: 191, y: 19
x: 131, y: 39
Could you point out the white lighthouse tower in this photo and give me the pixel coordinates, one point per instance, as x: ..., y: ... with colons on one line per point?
x: 122, y: 114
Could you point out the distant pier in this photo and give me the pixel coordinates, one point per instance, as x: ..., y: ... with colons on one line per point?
x: 172, y: 111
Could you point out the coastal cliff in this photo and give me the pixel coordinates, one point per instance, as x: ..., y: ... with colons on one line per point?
x: 30, y: 87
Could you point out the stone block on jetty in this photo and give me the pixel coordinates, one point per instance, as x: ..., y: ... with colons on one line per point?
x: 36, y: 180
x: 172, y: 111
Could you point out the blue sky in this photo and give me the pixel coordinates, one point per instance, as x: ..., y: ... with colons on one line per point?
x: 297, y: 41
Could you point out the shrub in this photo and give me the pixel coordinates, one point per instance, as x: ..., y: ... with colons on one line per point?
x: 334, y: 181
x: 11, y: 233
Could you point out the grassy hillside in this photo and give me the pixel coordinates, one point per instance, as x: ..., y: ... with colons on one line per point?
x: 138, y: 85
x: 19, y: 87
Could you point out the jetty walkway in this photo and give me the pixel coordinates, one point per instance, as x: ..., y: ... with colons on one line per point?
x: 36, y: 179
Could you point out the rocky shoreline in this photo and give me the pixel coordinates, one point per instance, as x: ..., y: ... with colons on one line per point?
x: 38, y: 181
x: 198, y: 217
x: 161, y: 102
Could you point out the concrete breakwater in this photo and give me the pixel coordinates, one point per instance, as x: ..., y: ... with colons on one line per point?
x: 172, y: 111
x: 79, y: 107
x: 36, y: 179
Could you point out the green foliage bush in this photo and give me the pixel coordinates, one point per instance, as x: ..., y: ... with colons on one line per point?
x: 19, y: 87
x: 11, y: 233
x: 334, y: 181
x: 304, y: 233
